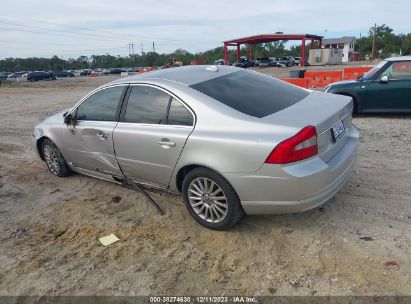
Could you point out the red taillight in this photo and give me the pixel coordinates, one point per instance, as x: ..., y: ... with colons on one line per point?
x: 301, y: 146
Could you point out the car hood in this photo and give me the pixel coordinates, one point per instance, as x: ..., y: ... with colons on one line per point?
x: 346, y: 82
x: 56, y: 117
x: 341, y: 84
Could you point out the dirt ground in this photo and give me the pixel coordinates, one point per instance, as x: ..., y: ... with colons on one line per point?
x: 358, y: 243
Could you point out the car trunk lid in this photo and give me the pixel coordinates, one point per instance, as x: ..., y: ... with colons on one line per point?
x: 323, y: 111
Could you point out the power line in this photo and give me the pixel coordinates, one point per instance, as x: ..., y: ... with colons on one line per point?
x: 42, y: 31
x: 105, y: 36
x: 74, y: 52
x: 102, y: 33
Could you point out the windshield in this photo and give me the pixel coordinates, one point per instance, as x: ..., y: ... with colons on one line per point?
x: 252, y: 93
x: 371, y: 73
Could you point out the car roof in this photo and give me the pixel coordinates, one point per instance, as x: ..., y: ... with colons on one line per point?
x: 186, y: 75
x: 399, y: 58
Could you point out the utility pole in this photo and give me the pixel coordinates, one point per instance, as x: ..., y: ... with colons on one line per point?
x: 131, y: 49
x: 142, y: 50
x: 154, y: 49
x: 358, y: 46
x: 373, y: 42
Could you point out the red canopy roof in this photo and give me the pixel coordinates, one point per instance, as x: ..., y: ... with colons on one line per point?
x: 272, y: 37
x: 257, y: 39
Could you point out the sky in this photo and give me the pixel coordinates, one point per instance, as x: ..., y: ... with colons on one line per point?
x: 44, y: 28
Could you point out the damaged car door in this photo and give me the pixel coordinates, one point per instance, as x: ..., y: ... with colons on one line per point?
x: 151, y: 133
x: 89, y: 141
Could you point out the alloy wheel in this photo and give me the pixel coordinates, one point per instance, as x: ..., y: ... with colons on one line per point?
x: 52, y: 159
x: 207, y: 200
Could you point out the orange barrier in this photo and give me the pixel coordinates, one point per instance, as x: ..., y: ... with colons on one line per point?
x: 320, y: 79
x: 146, y: 69
x: 301, y: 82
x: 354, y: 73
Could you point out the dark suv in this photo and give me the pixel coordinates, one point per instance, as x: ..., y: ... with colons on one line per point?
x: 34, y: 76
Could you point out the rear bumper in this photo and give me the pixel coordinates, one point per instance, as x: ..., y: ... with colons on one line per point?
x: 296, y: 187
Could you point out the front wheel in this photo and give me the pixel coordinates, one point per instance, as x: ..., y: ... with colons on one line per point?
x: 55, y: 160
x: 211, y: 200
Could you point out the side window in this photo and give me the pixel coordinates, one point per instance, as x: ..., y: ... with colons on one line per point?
x: 147, y: 105
x: 387, y: 72
x: 101, y: 106
x: 401, y: 70
x: 179, y: 115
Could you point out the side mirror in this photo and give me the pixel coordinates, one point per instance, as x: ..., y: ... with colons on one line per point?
x: 384, y: 79
x: 68, y: 119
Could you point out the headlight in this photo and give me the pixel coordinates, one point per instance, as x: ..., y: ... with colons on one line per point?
x: 37, y: 132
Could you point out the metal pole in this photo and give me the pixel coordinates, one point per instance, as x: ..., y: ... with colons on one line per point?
x: 225, y: 54
x: 303, y: 52
x: 238, y: 52
x: 373, y: 43
x: 250, y: 51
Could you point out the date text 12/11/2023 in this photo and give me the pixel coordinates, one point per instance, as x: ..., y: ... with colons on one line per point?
x: 203, y: 299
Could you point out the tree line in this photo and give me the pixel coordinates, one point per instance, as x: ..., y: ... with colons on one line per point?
x: 383, y: 37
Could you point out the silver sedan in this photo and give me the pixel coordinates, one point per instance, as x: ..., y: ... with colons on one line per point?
x: 232, y: 141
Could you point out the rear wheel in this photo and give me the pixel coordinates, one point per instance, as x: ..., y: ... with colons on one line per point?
x: 354, y: 107
x: 55, y: 160
x: 211, y: 200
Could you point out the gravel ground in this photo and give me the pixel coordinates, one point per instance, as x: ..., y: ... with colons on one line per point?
x: 358, y: 243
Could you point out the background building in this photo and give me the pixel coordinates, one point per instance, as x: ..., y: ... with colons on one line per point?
x: 347, y: 45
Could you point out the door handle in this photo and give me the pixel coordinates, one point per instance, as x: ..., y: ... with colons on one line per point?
x: 166, y: 142
x: 102, y: 135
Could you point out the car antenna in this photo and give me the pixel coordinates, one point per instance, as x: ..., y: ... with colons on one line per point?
x: 129, y: 183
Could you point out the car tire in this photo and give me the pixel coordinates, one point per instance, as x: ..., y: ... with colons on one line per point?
x: 217, y: 206
x: 54, y: 159
x: 354, y: 104
x: 354, y: 107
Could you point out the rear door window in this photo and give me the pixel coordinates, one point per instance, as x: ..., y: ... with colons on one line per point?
x: 399, y: 70
x: 179, y: 115
x: 252, y: 93
x: 147, y: 105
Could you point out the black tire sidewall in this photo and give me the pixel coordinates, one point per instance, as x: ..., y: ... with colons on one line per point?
x: 235, y: 211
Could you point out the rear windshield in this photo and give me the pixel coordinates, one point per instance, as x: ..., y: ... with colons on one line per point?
x: 252, y: 93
